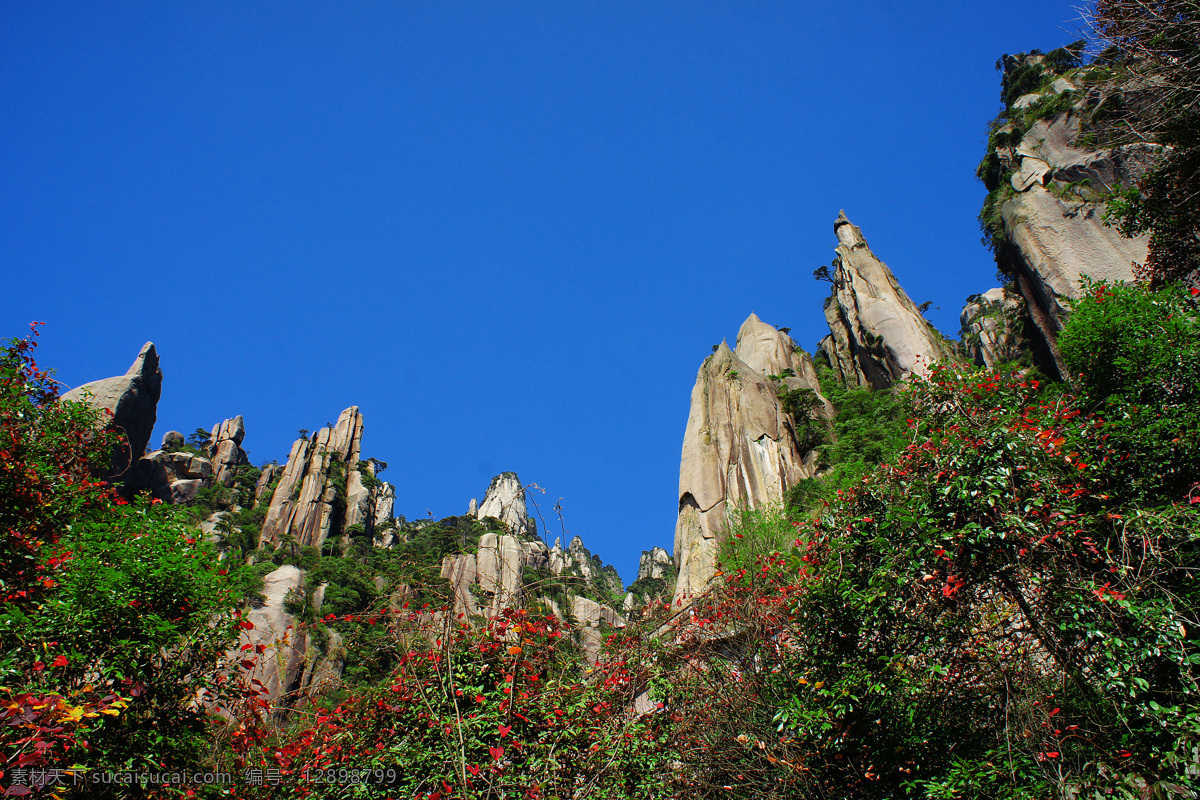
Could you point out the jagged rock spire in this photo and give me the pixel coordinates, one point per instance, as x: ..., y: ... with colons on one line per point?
x: 505, y: 500
x: 877, y: 334
x: 302, y: 506
x: 740, y: 446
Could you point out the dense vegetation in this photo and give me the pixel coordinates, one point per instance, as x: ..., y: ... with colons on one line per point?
x: 991, y: 591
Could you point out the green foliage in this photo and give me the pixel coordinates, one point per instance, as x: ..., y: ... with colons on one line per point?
x: 753, y: 536
x: 115, y: 616
x: 989, y: 616
x: 200, y: 439
x: 1136, y: 356
x: 869, y: 428
x: 803, y: 406
x: 1154, y: 85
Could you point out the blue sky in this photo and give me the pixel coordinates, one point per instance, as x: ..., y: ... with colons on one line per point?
x: 508, y: 231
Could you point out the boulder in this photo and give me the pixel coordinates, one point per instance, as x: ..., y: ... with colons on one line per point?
x: 132, y: 401
x: 183, y: 492
x: 173, y: 440
x: 877, y: 334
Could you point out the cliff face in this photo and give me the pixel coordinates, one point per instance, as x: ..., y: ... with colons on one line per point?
x: 289, y: 666
x: 740, y: 446
x: 132, y: 400
x: 877, y: 334
x: 1046, y: 186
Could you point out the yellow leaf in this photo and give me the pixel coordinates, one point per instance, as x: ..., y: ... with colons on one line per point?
x: 112, y: 712
x: 818, y: 684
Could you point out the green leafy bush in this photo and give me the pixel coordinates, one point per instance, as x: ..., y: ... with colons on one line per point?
x: 1136, y: 356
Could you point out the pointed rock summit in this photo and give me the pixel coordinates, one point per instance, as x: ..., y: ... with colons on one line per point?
x: 302, y: 506
x: 505, y: 500
x: 132, y: 399
x: 877, y: 334
x: 740, y: 446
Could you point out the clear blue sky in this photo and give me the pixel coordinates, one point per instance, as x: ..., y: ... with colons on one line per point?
x: 508, y: 231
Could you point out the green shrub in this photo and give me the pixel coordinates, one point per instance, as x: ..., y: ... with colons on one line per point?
x: 1135, y: 354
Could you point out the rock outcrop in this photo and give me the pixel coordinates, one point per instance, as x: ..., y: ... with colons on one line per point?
x: 494, y: 575
x: 303, y: 505
x: 288, y: 663
x: 577, y: 560
x: 225, y: 449
x: 505, y: 500
x: 132, y: 400
x: 740, y: 446
x: 489, y: 580
x: 173, y: 476
x: 877, y: 334
x: 593, y: 621
x: 655, y: 563
x: 266, y: 480
x: 989, y: 328
x: 1046, y: 189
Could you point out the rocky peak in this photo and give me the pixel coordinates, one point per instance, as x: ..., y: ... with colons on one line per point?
x: 225, y: 449
x: 654, y: 563
x: 132, y: 399
x: 877, y: 334
x: 303, y: 504
x: 505, y: 500
x: 740, y: 446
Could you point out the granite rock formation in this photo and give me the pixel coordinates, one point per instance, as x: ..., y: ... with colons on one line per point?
x: 505, y: 500
x: 877, y: 334
x: 655, y: 563
x: 289, y: 663
x: 577, y: 560
x: 225, y: 449
x: 1048, y: 188
x: 990, y: 332
x: 132, y: 400
x: 740, y: 446
x: 269, y: 475
x: 303, y: 505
